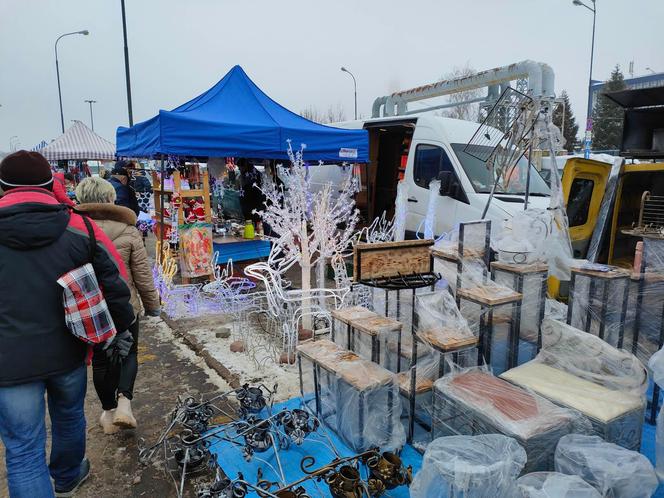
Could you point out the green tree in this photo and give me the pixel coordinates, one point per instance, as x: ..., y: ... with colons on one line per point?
x: 563, y: 118
x: 608, y: 116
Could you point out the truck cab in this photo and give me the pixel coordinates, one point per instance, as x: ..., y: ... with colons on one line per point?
x: 416, y: 149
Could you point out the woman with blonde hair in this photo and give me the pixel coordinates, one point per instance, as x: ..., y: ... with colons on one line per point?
x: 97, y: 197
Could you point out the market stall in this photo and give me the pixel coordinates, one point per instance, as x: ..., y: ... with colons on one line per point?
x: 235, y: 119
x: 79, y: 143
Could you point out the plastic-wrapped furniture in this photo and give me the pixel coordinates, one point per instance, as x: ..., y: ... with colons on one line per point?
x: 469, y: 467
x: 478, y: 297
x: 439, y: 331
x: 355, y: 397
x: 473, y: 401
x: 614, y: 471
x: 656, y: 365
x: 530, y: 280
x: 367, y: 333
x: 554, y: 485
x: 578, y: 370
x: 600, y: 298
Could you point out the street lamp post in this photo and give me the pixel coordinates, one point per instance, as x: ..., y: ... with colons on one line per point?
x: 589, y: 118
x: 57, y: 71
x: 354, y: 87
x: 126, y: 58
x: 92, y: 121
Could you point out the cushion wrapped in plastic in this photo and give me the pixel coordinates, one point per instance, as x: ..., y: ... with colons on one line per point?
x: 555, y: 485
x: 613, y: 470
x: 580, y: 371
x: 469, y: 466
x: 473, y: 402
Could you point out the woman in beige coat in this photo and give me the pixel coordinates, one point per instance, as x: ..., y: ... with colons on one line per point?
x: 119, y: 223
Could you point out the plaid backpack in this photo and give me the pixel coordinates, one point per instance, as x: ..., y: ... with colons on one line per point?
x: 86, y: 312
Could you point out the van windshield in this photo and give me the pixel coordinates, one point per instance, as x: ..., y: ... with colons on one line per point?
x: 515, y: 183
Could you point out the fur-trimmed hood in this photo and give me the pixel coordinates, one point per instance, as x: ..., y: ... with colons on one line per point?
x: 107, y: 211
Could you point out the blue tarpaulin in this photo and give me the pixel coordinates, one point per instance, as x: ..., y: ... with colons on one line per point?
x: 235, y: 118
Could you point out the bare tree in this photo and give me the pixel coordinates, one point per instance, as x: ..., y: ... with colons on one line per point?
x: 312, y: 114
x: 334, y: 114
x: 469, y: 111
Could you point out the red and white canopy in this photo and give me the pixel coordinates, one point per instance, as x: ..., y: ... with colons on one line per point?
x: 79, y: 143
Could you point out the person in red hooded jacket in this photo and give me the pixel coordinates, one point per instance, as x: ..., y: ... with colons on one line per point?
x: 59, y: 190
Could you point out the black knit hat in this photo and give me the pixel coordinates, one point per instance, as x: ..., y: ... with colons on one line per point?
x: 120, y: 168
x: 25, y: 169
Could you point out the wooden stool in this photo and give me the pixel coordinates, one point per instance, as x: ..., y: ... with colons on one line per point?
x: 376, y: 327
x: 442, y: 340
x: 345, y: 315
x: 486, y: 298
x: 519, y: 275
x: 362, y: 376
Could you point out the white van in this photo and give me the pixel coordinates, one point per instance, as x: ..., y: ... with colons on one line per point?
x: 417, y: 149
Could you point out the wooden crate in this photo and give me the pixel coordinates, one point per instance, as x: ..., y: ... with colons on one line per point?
x: 390, y: 259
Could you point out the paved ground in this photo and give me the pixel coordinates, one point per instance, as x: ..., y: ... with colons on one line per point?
x: 167, y: 368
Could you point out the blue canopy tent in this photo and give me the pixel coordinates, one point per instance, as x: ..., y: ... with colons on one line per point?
x: 235, y: 118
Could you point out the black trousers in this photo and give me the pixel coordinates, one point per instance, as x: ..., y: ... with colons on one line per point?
x: 112, y: 380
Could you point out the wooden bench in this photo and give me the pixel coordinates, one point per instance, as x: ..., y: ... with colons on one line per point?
x: 475, y: 402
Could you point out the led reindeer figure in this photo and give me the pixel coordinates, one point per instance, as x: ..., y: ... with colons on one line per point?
x: 286, y: 309
x: 173, y: 296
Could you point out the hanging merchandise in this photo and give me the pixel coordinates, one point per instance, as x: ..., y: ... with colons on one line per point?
x: 195, y: 249
x: 176, y: 202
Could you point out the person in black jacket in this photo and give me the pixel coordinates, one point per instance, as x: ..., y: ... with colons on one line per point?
x: 41, y: 240
x: 124, y: 193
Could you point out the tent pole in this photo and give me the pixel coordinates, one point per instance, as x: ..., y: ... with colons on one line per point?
x: 161, y: 211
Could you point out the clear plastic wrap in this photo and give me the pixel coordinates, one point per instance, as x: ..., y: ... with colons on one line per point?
x: 522, y: 239
x: 611, y: 469
x: 599, y: 302
x: 356, y: 398
x: 469, y: 467
x: 656, y: 365
x: 473, y: 401
x: 554, y: 485
x: 580, y: 371
x: 646, y: 297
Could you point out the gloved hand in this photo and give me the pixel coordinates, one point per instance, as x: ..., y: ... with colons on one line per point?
x: 155, y: 312
x: 118, y: 348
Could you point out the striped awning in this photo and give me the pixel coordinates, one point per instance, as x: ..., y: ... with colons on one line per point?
x: 39, y: 146
x: 79, y: 143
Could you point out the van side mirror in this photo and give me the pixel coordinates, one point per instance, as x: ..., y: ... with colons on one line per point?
x: 445, y: 178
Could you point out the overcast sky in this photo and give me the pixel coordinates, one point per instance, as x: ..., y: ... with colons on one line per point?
x: 293, y: 50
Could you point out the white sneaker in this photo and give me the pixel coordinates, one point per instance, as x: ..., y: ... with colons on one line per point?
x: 106, y: 422
x: 123, y: 418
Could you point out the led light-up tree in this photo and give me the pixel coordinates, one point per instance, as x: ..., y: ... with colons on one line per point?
x: 309, y: 227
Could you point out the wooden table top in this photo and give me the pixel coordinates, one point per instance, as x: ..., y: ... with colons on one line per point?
x: 615, y: 272
x: 361, y: 374
x: 345, y: 315
x: 422, y: 384
x: 490, y: 295
x: 447, y: 339
x: 520, y: 269
x: 376, y: 325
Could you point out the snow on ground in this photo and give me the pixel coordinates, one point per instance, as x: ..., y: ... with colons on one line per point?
x: 259, y: 364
